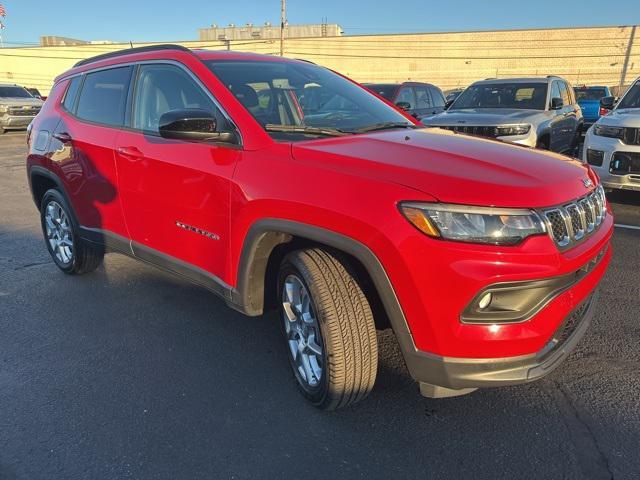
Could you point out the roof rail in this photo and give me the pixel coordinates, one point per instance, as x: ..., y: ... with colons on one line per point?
x: 127, y: 51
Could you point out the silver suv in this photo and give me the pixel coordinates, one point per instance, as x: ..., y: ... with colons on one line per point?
x: 538, y: 112
x: 17, y: 107
x: 612, y: 144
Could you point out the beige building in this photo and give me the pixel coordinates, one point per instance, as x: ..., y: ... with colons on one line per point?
x: 249, y: 31
x: 597, y: 56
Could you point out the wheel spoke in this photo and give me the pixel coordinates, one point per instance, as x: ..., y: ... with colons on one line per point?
x: 312, y: 345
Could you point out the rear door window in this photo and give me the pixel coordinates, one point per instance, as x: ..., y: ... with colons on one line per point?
x: 104, y: 95
x: 406, y: 95
x: 423, y: 98
x: 437, y: 97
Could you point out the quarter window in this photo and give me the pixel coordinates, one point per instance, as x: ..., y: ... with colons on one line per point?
x: 162, y: 88
x: 72, y: 92
x: 103, y: 96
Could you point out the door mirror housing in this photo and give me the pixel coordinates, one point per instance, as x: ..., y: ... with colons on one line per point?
x: 192, y: 124
x: 448, y: 103
x: 406, y: 106
x: 608, y: 102
x: 556, y: 103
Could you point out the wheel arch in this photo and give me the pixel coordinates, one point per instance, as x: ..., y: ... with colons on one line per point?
x: 269, y: 240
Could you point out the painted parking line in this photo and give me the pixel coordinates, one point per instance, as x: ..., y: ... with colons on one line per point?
x: 630, y: 227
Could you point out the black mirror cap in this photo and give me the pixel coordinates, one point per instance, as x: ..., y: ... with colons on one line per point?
x: 448, y: 103
x: 192, y: 124
x: 608, y: 102
x: 406, y: 106
x: 556, y: 103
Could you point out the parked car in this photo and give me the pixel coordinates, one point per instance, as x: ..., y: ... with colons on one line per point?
x: 17, y: 107
x: 483, y: 257
x: 612, y: 145
x: 589, y: 101
x: 537, y: 112
x: 421, y: 100
x: 451, y: 95
x: 35, y: 93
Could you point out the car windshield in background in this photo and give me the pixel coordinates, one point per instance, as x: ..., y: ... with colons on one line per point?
x: 290, y: 99
x: 632, y: 98
x: 385, y: 91
x: 528, y: 96
x: 590, y: 93
x: 14, y: 92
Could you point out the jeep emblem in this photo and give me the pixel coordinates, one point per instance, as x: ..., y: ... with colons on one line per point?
x: 587, y: 182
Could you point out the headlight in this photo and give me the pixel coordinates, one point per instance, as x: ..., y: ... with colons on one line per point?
x: 3, y: 108
x: 507, y: 130
x: 607, y: 131
x: 496, y: 226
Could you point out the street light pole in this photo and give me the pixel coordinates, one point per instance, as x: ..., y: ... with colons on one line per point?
x: 283, y: 20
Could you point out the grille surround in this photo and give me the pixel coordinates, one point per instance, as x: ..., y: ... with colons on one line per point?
x: 571, y: 223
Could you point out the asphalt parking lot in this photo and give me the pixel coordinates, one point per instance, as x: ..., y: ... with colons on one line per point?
x: 132, y: 373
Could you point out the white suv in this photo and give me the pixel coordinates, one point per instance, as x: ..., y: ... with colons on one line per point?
x: 612, y: 144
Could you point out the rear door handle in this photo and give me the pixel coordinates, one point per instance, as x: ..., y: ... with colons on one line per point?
x: 132, y: 153
x: 63, y: 137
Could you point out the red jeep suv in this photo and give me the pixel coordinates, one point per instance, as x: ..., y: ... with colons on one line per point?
x: 277, y: 183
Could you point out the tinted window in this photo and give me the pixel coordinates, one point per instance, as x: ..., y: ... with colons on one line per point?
x: 103, y: 96
x: 590, y: 93
x: 530, y: 96
x: 423, y: 98
x: 631, y: 98
x: 281, y: 94
x: 72, y: 91
x: 385, y: 91
x: 406, y: 95
x: 437, y: 97
x: 564, y: 94
x: 14, y: 92
x: 162, y: 88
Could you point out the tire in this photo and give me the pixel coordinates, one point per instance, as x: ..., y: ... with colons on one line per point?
x: 339, y: 319
x: 70, y: 253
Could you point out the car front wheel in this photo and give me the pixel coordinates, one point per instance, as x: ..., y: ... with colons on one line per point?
x: 328, y: 327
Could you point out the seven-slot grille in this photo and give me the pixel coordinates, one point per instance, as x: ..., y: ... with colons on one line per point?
x: 570, y: 223
x: 631, y: 136
x: 480, y: 131
x: 26, y: 111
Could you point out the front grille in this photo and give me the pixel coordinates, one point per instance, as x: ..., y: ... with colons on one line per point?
x: 24, y: 111
x: 570, y: 223
x: 631, y: 136
x: 625, y: 163
x: 482, y: 131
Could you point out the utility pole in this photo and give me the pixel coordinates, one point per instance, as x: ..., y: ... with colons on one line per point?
x: 625, y: 66
x: 283, y: 20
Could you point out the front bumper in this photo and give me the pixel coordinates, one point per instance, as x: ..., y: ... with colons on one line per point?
x: 471, y: 373
x: 15, y: 121
x: 611, y: 146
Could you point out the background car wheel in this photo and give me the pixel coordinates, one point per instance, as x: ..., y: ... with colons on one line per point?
x: 70, y: 253
x: 329, y: 329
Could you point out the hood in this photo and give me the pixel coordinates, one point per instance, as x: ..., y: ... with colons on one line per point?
x: 482, y: 117
x: 624, y: 117
x: 20, y: 101
x: 453, y: 168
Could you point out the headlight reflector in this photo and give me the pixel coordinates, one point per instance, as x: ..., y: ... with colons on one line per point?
x: 608, y: 131
x: 495, y: 226
x: 508, y: 130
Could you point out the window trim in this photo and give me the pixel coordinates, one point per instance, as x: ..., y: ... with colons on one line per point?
x: 66, y: 92
x: 132, y: 81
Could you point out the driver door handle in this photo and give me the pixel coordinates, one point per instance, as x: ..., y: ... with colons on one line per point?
x: 131, y: 153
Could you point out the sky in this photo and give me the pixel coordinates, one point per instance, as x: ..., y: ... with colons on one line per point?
x: 163, y: 20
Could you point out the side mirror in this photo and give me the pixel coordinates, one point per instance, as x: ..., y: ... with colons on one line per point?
x: 404, y: 106
x: 556, y: 103
x: 192, y: 124
x: 448, y: 103
x: 608, y: 102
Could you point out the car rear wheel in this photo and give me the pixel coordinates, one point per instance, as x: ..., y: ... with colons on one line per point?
x: 71, y: 254
x: 328, y: 327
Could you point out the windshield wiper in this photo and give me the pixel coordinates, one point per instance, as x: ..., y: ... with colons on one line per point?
x: 384, y: 126
x: 329, y: 132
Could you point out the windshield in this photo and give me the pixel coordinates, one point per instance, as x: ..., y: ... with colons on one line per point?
x: 529, y: 96
x: 385, y: 91
x: 589, y: 93
x: 283, y: 94
x: 632, y: 98
x: 14, y: 92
